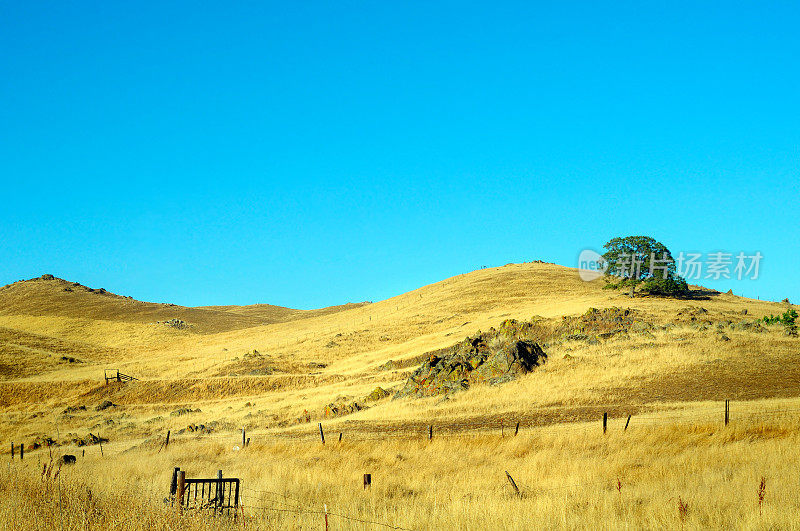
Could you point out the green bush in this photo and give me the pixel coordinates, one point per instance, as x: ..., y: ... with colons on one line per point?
x: 789, y: 319
x: 670, y: 286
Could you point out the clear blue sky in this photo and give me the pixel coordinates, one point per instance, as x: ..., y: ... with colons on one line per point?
x: 312, y: 153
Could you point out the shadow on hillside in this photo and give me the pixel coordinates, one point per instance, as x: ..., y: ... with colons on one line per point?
x: 701, y: 294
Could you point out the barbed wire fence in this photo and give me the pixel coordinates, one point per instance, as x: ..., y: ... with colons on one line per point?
x: 257, y: 501
x: 267, y: 501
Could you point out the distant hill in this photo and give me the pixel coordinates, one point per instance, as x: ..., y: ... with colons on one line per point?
x: 55, y: 297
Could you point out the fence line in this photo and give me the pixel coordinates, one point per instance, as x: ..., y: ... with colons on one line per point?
x: 420, y: 430
x: 292, y: 505
x: 322, y: 513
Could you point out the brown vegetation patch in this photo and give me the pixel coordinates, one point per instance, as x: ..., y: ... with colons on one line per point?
x: 741, y: 379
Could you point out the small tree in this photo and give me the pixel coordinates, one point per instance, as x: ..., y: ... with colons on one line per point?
x: 636, y: 259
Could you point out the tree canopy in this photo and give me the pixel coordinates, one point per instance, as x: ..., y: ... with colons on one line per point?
x: 632, y: 260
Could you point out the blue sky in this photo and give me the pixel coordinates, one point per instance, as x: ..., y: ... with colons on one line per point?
x: 313, y: 153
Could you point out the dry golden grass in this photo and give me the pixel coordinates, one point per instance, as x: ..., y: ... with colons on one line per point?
x: 570, y: 477
x: 670, y: 377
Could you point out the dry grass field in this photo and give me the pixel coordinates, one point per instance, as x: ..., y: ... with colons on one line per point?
x: 206, y: 373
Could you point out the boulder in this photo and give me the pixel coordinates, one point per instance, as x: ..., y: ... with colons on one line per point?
x: 67, y: 459
x: 88, y: 440
x: 489, y: 358
x: 105, y: 404
x: 600, y: 324
x: 183, y: 411
x: 95, y: 439
x: 211, y: 427
x: 42, y: 441
x: 379, y: 393
x: 337, y: 409
x: 178, y: 324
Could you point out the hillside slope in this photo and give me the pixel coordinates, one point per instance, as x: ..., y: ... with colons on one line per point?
x: 48, y: 296
x: 683, y: 351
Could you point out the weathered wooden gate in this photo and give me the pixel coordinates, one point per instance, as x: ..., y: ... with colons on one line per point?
x: 217, y: 496
x: 113, y: 375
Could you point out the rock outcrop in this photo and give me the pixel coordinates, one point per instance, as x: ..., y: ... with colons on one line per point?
x: 493, y: 357
x: 345, y: 406
x: 105, y: 404
x: 176, y: 323
x: 379, y: 393
x: 86, y: 441
x: 339, y: 408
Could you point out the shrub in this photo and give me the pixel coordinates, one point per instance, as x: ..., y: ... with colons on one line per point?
x: 788, y: 319
x: 671, y: 286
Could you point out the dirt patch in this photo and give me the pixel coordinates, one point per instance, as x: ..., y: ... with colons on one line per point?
x: 744, y: 379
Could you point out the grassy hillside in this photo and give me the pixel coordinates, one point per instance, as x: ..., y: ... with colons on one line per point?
x: 273, y: 371
x: 50, y: 297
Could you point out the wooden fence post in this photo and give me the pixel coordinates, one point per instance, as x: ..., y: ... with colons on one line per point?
x: 101, y: 448
x: 181, y: 489
x: 727, y: 411
x: 340, y: 436
x: 173, y: 486
x: 430, y: 433
x: 516, y: 430
x: 166, y: 443
x: 367, y: 481
x: 605, y: 422
x: 12, y: 450
x: 219, y: 493
x: 627, y: 422
x: 513, y: 483
x: 248, y: 442
x: 321, y: 433
x: 21, y: 451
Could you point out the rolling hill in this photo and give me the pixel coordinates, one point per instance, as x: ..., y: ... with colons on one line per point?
x: 347, y: 350
x: 278, y: 372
